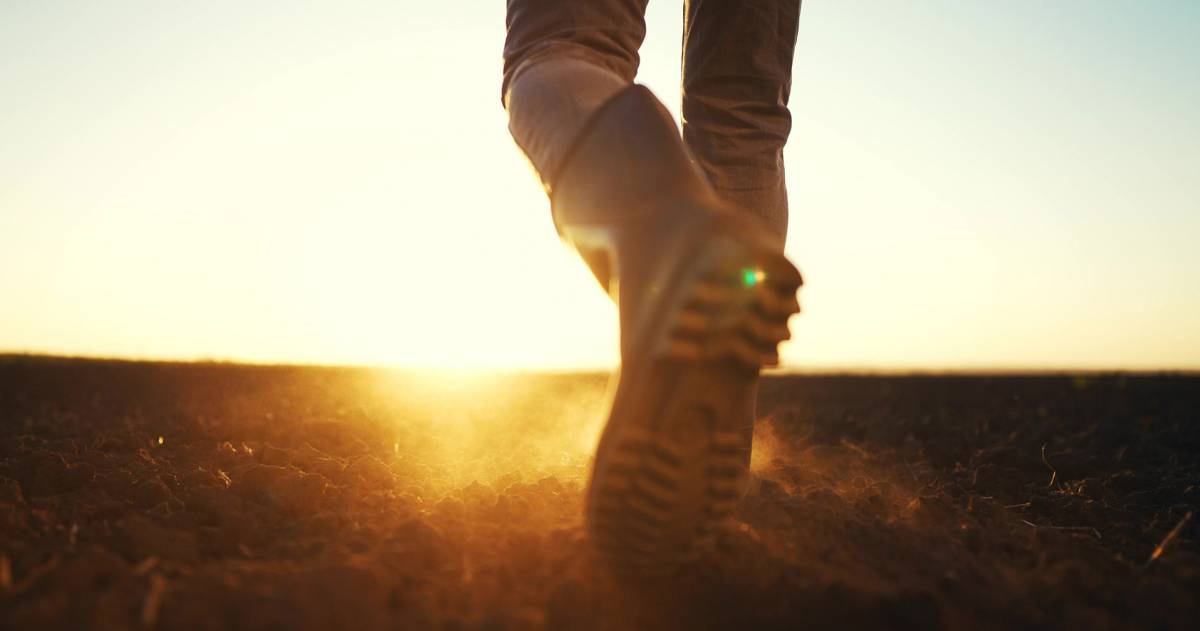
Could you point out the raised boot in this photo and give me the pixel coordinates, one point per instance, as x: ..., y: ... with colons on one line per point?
x: 704, y: 294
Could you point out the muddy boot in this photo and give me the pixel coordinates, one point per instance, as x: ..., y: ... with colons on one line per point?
x: 704, y: 294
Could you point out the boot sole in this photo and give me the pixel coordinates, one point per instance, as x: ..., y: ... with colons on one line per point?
x: 674, y: 456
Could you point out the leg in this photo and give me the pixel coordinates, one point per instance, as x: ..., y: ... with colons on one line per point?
x: 562, y: 60
x: 737, y: 75
x: 703, y: 293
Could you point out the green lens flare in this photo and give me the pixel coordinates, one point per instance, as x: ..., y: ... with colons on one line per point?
x: 752, y: 277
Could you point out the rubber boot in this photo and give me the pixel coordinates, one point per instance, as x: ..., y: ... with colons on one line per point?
x: 704, y: 294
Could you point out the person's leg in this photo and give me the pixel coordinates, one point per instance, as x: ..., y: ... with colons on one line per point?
x: 737, y: 75
x: 563, y: 59
x: 703, y: 292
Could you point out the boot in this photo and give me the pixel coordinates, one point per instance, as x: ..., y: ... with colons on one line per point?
x: 704, y: 294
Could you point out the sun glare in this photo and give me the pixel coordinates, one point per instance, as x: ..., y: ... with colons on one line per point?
x: 484, y: 425
x: 317, y: 196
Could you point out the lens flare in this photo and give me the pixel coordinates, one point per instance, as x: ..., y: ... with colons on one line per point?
x: 752, y: 276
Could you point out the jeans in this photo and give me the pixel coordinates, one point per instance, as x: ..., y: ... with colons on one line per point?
x: 737, y: 75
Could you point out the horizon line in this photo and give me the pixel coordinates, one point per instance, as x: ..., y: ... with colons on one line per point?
x: 787, y: 370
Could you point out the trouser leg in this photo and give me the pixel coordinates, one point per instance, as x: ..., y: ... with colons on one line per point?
x: 737, y: 76
x: 563, y: 59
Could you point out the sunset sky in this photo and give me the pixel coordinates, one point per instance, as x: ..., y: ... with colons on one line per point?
x: 974, y: 185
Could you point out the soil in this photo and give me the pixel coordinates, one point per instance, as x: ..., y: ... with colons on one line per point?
x: 212, y: 496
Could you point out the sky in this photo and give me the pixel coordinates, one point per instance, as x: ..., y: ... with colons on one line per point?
x: 974, y: 185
